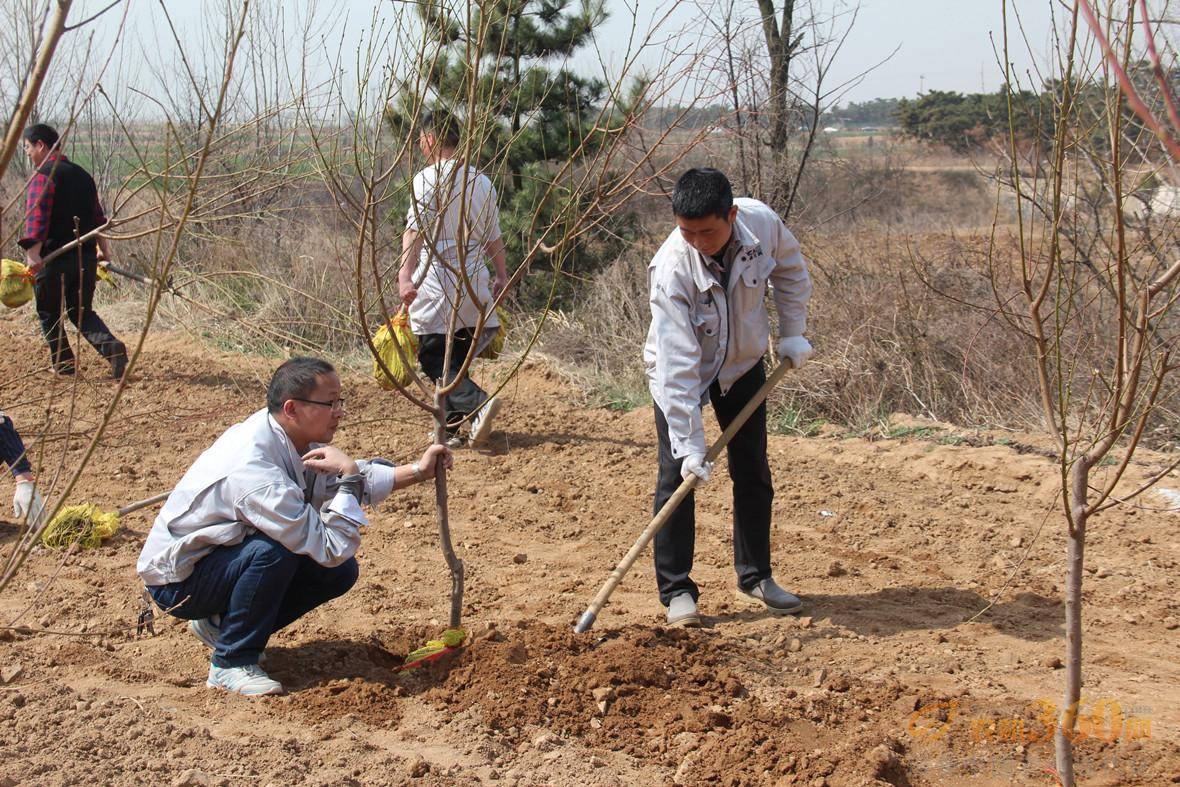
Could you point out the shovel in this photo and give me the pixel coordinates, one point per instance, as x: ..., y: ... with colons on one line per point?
x: 105, y: 267
x: 686, y: 486
x: 88, y: 523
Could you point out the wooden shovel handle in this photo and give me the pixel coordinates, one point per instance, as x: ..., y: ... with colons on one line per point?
x: 686, y: 486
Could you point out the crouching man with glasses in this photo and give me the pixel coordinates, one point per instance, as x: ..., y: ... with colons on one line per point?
x: 263, y: 528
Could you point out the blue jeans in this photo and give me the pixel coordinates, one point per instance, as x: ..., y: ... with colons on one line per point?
x: 257, y: 587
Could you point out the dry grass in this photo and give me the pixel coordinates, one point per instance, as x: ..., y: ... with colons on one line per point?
x: 886, y: 342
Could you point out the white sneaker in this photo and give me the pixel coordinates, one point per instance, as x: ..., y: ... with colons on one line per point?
x: 682, y: 612
x: 208, y: 630
x: 481, y: 424
x: 452, y: 441
x: 249, y: 681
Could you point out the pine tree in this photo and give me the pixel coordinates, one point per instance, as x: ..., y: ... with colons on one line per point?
x: 524, y: 113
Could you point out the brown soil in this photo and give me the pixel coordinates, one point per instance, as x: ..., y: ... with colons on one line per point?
x: 892, y: 678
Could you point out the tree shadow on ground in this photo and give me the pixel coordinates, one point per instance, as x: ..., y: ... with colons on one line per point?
x: 893, y: 610
x: 502, y: 442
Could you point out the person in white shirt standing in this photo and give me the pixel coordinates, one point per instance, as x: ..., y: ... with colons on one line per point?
x: 452, y: 231
x: 264, y: 526
x: 708, y: 334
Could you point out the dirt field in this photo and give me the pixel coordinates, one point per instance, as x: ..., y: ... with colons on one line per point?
x: 896, y: 544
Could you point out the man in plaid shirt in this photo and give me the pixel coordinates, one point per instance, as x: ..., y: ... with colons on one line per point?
x: 63, y: 207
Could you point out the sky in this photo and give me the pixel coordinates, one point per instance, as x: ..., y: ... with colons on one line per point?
x: 893, y: 48
x: 898, y: 48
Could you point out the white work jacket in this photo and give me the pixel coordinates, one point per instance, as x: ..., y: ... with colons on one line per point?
x: 454, y: 210
x: 701, y: 332
x: 252, y: 479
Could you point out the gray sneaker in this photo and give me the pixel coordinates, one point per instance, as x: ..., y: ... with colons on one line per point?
x: 481, y: 424
x: 682, y: 611
x: 249, y: 681
x: 771, y: 596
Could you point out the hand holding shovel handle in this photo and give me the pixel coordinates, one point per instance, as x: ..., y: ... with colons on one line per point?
x: 616, y: 576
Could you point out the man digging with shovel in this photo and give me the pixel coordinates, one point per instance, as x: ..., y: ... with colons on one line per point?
x: 708, y: 333
x: 263, y: 527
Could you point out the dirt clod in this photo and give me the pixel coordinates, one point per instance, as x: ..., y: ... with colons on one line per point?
x: 192, y: 778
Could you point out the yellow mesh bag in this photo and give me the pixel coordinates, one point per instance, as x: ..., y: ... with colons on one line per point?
x: 16, y: 284
x: 388, y: 339
x: 496, y: 345
x: 85, y: 524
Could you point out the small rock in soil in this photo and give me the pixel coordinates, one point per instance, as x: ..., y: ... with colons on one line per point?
x: 546, y: 741
x: 192, y: 778
x: 603, y: 693
x: 881, y: 760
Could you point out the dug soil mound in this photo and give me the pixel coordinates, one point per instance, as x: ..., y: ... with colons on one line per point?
x: 928, y: 652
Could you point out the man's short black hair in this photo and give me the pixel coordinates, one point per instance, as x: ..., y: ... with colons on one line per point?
x: 39, y: 132
x: 443, y: 125
x: 702, y: 192
x: 295, y: 379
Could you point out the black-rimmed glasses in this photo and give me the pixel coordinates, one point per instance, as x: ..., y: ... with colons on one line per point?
x: 337, y: 405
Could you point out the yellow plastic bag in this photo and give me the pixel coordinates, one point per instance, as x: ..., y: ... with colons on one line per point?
x: 496, y: 345
x: 388, y: 339
x: 105, y: 275
x: 16, y: 284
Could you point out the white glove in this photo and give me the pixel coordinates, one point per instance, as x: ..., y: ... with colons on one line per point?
x: 795, y: 348
x: 695, y: 464
x: 27, y: 502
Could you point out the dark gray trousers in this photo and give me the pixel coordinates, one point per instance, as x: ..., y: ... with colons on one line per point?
x: 753, y: 494
x: 467, y: 396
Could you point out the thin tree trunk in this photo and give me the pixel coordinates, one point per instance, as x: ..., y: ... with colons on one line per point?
x: 781, y: 44
x: 32, y: 88
x: 1063, y: 738
x: 444, y: 520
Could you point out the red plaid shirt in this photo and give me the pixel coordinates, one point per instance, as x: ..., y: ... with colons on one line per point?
x: 39, y: 207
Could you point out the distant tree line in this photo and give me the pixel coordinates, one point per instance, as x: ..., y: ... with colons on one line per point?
x: 875, y: 112
x: 961, y: 121
x: 965, y: 122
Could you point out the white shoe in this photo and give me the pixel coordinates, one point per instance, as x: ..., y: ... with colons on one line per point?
x: 249, y: 681
x: 452, y: 441
x: 682, y: 611
x: 207, y: 630
x: 481, y: 424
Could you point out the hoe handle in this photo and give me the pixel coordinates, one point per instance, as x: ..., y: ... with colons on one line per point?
x: 686, y: 486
